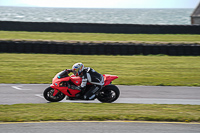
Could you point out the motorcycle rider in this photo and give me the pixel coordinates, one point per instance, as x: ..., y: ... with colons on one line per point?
x: 88, y: 75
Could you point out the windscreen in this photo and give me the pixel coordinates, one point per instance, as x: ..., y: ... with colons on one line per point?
x: 63, y: 74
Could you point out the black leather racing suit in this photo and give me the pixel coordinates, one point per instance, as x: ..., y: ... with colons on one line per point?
x: 93, y: 77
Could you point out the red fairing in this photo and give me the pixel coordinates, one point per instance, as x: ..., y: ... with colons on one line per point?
x: 56, y: 85
x: 109, y: 78
x: 77, y: 81
x: 65, y: 85
x: 57, y: 80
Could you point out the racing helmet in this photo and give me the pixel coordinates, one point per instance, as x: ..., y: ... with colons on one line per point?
x: 77, y: 68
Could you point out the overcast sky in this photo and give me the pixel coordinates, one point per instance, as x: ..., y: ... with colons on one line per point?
x: 103, y: 3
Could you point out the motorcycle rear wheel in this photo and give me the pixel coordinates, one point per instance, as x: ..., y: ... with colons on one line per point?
x: 108, y: 94
x: 48, y: 95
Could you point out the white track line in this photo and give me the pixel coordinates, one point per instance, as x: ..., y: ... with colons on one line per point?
x: 39, y: 95
x: 17, y: 88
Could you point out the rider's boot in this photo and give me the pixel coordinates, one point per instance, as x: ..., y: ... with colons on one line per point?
x: 91, y: 94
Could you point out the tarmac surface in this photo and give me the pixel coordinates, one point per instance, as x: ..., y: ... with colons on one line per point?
x: 33, y: 93
x: 100, y: 127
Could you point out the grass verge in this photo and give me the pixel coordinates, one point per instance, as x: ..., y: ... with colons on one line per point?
x: 132, y: 70
x: 22, y: 35
x: 99, y: 112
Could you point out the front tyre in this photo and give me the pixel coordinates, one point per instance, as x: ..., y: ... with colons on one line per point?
x: 48, y: 95
x: 108, y: 94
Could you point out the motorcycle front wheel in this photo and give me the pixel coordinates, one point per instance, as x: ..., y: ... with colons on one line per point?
x: 108, y: 94
x: 48, y: 95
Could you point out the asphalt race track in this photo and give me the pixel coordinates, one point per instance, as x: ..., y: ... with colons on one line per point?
x: 32, y: 93
x: 99, y: 127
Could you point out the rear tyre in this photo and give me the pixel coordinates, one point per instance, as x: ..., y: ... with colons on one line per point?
x: 108, y: 94
x: 48, y: 95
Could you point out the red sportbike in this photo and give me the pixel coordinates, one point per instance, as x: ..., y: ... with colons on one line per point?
x: 65, y: 85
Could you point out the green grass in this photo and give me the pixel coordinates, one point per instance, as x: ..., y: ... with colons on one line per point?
x: 12, y: 35
x: 132, y: 70
x: 99, y: 112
